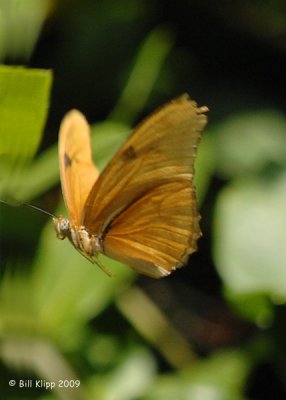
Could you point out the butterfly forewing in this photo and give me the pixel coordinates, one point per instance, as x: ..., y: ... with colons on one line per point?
x: 78, y: 173
x: 143, y: 206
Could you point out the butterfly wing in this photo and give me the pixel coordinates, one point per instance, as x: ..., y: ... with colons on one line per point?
x: 156, y: 234
x: 77, y: 171
x: 143, y: 206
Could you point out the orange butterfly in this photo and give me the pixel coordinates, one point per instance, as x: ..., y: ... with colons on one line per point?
x: 142, y: 209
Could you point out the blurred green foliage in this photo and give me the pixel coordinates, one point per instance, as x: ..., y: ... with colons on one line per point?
x: 212, y: 330
x: 23, y: 112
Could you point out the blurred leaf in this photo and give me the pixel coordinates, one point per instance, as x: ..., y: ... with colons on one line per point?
x: 38, y: 177
x: 219, y: 377
x: 68, y: 290
x: 23, y: 345
x: 130, y: 380
x: 150, y: 58
x: 147, y: 318
x: 250, y: 236
x: 254, y: 307
x: 104, y: 350
x: 247, y: 143
x: 16, y: 306
x: 40, y: 357
x: 24, y: 95
x: 16, y: 15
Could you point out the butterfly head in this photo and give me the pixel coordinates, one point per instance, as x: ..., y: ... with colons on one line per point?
x: 62, y: 227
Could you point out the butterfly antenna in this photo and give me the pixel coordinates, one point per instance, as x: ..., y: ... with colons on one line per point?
x: 28, y: 205
x: 39, y: 209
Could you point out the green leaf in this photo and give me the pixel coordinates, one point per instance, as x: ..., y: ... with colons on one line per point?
x: 148, y: 64
x: 250, y: 237
x: 246, y: 143
x: 130, y: 380
x: 219, y: 377
x: 69, y: 290
x: 254, y: 307
x: 24, y: 100
x: 16, y: 16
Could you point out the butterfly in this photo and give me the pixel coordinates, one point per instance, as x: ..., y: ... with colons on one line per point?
x: 142, y: 209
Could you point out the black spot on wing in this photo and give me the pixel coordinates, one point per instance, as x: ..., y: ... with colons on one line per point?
x: 129, y: 153
x: 68, y: 161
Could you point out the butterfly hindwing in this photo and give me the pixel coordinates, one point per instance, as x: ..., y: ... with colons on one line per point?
x: 157, y: 233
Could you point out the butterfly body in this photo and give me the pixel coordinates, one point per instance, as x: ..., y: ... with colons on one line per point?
x: 142, y: 209
x: 80, y: 237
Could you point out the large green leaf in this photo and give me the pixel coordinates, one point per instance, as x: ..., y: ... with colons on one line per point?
x: 24, y: 100
x: 250, y: 237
